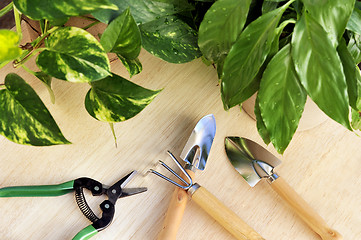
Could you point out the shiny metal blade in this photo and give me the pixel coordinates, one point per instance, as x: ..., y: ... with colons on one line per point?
x: 126, y: 192
x: 250, y: 159
x: 198, y: 146
x: 125, y: 180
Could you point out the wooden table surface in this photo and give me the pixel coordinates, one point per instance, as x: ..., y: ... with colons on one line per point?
x: 323, y: 165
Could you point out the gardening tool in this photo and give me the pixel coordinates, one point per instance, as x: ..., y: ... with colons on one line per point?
x: 113, y: 192
x: 254, y: 162
x: 195, y: 154
x: 208, y: 202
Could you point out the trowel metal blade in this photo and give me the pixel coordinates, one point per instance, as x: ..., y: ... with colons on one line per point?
x: 244, y: 154
x: 196, y: 151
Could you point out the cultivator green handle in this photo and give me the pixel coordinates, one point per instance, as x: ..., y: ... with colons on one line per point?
x: 38, y: 191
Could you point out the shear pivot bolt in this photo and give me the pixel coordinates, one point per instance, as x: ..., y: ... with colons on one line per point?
x: 106, y: 206
x: 114, y: 191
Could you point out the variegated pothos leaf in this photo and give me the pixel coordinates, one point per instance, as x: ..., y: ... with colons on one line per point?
x: 24, y: 119
x: 133, y: 66
x: 40, y: 9
x: 170, y: 39
x: 143, y: 11
x: 74, y: 55
x: 9, y: 48
x: 122, y: 36
x: 115, y: 99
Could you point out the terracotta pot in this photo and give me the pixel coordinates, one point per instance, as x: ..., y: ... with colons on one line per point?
x: 312, y: 116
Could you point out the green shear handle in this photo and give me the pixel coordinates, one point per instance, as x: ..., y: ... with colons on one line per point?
x: 38, y: 191
x: 86, y: 233
x: 77, y: 186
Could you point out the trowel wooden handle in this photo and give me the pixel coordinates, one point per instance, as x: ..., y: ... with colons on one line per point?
x: 224, y: 216
x: 174, y: 215
x: 305, y: 211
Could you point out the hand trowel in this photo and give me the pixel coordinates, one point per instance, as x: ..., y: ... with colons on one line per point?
x: 195, y: 154
x: 254, y: 162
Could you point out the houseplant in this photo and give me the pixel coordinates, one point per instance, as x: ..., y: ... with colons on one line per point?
x: 256, y: 46
x: 70, y: 53
x: 286, y: 50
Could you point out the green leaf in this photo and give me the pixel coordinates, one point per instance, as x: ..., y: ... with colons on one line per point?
x: 247, y: 56
x: 58, y: 22
x: 115, y: 99
x: 269, y: 6
x: 143, y: 11
x: 74, y: 55
x: 320, y: 70
x: 46, y: 79
x: 122, y: 36
x: 281, y: 99
x: 6, y: 9
x: 354, y: 47
x: 170, y: 39
x: 9, y: 49
x: 24, y: 118
x: 38, y: 9
x: 356, y: 113
x: 276, y: 42
x: 354, y: 24
x: 221, y: 27
x: 356, y: 119
x: 332, y: 15
x: 349, y: 70
x: 262, y: 130
x: 133, y: 66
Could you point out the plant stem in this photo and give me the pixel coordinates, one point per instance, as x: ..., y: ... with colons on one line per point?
x: 27, y: 57
x: 28, y: 69
x: 3, y: 64
x: 35, y: 49
x: 89, y: 18
x: 44, y: 25
x: 90, y: 25
x: 6, y: 9
x: 43, y: 36
x: 17, y: 16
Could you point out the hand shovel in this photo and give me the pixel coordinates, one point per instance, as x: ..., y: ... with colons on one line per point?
x: 195, y: 155
x: 254, y: 162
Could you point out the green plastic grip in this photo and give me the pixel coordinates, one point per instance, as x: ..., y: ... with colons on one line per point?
x: 38, y: 191
x: 86, y: 233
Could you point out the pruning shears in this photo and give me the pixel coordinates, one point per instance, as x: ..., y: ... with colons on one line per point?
x: 107, y: 207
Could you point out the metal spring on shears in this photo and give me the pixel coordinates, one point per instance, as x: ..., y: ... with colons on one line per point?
x: 84, y: 207
x: 188, y: 184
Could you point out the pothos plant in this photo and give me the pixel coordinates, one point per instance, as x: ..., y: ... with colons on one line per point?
x: 286, y: 51
x: 72, y: 54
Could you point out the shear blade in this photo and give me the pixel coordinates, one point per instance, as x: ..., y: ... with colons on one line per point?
x: 126, y: 192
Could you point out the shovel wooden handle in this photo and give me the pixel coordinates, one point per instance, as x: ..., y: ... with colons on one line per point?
x: 305, y: 211
x: 174, y: 215
x: 224, y: 216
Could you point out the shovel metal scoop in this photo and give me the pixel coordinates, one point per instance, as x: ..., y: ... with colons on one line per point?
x: 254, y: 162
